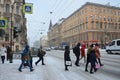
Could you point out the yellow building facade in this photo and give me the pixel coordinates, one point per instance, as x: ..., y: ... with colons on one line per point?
x: 92, y: 23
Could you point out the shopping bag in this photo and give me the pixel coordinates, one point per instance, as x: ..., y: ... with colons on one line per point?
x: 97, y: 66
x: 68, y: 63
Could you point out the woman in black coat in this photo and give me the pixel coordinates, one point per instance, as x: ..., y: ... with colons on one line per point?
x: 67, y: 59
x: 91, y: 58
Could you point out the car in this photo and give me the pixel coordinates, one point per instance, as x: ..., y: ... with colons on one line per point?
x: 113, y: 47
x: 47, y: 48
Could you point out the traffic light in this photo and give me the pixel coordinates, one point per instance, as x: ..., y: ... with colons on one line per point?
x: 15, y: 31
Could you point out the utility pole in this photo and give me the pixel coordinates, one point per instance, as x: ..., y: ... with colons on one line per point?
x: 11, y: 32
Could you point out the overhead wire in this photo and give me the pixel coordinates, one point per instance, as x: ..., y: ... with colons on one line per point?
x: 56, y: 9
x: 65, y: 8
x: 56, y: 6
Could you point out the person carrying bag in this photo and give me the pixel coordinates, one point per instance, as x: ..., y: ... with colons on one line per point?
x: 41, y: 55
x: 67, y: 60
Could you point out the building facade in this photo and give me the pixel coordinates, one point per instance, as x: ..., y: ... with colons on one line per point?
x: 44, y: 41
x: 11, y: 10
x: 92, y: 23
x: 55, y: 36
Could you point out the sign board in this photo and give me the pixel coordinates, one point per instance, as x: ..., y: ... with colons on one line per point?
x: 28, y: 8
x: 3, y: 23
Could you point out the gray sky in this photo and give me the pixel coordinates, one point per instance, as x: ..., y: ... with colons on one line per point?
x: 60, y: 9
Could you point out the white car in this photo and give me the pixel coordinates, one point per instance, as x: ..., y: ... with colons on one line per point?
x: 113, y: 47
x: 47, y: 48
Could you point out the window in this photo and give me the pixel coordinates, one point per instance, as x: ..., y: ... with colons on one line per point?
x: 86, y: 25
x: 104, y: 18
x: 101, y: 25
x: 7, y: 8
x: 91, y: 9
x: 119, y: 26
x: 109, y: 19
x: 119, y: 13
x: 92, y: 25
x: 97, y: 25
x: 100, y: 18
x: 96, y: 17
x: 7, y: 37
x: 105, y: 25
x: 118, y: 42
x: 108, y: 25
x: 116, y: 26
x: 91, y: 17
x: 119, y: 20
x: 17, y: 9
x: 113, y: 43
x: 86, y: 18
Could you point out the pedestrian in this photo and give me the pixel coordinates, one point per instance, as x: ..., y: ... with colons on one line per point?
x: 91, y: 58
x: 83, y: 52
x: 76, y: 51
x: 67, y: 60
x: 3, y: 52
x: 31, y: 58
x: 25, y: 57
x: 97, y: 53
x: 31, y: 61
x: 41, y: 54
x: 9, y: 54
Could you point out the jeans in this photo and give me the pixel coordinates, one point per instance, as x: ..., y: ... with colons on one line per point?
x: 3, y: 59
x: 23, y: 61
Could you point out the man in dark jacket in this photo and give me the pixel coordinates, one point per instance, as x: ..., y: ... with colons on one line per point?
x: 41, y: 54
x: 77, y: 54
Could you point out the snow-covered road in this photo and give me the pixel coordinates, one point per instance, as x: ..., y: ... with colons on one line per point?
x: 54, y: 70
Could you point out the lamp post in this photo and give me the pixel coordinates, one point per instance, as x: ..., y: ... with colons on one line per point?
x: 11, y: 32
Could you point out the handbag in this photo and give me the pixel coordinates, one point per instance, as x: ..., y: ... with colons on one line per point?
x: 68, y: 63
x: 97, y: 66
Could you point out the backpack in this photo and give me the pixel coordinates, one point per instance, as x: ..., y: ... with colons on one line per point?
x: 74, y: 49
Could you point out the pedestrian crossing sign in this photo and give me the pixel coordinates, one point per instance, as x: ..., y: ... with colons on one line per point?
x: 3, y: 23
x: 28, y: 8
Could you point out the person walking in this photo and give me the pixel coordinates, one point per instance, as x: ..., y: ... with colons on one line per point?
x: 91, y: 58
x: 25, y: 58
x: 83, y: 52
x: 76, y: 51
x: 97, y: 53
x: 41, y: 55
x: 9, y: 54
x: 31, y: 58
x: 3, y: 52
x: 67, y: 60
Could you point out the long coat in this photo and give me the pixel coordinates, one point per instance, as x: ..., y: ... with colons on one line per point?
x: 67, y: 55
x: 92, y: 57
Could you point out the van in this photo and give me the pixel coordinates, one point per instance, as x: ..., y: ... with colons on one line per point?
x: 113, y: 47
